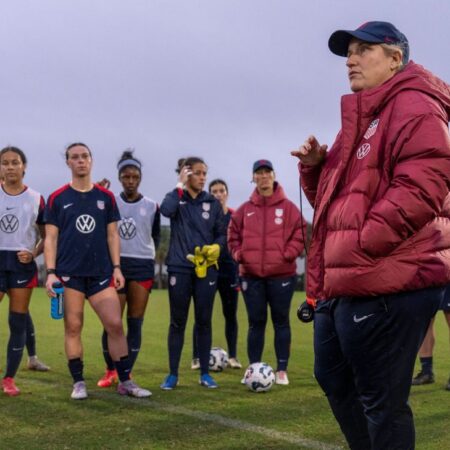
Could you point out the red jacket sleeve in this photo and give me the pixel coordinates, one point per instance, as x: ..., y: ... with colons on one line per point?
x: 234, y: 234
x: 295, y: 241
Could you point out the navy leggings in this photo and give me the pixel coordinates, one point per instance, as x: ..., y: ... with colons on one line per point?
x: 228, y: 290
x: 277, y: 293
x: 183, y: 286
x: 365, y: 350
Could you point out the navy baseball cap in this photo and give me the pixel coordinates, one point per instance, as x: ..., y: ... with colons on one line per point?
x: 374, y: 32
x: 262, y: 163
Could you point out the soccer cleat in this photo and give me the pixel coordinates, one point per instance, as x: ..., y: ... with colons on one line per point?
x: 281, y: 378
x: 207, y: 381
x: 79, y: 391
x: 130, y: 388
x: 9, y: 387
x: 234, y: 363
x: 35, y: 364
x: 108, y: 379
x: 423, y: 378
x: 169, y: 383
x: 195, y: 364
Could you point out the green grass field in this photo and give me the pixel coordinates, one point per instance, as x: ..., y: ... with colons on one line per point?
x: 190, y: 417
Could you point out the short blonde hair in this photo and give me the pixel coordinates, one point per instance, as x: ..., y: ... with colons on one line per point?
x: 390, y: 49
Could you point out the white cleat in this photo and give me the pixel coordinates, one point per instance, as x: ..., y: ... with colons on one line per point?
x: 130, y: 388
x: 281, y: 378
x: 35, y: 364
x: 195, y: 364
x: 79, y: 391
x: 234, y: 363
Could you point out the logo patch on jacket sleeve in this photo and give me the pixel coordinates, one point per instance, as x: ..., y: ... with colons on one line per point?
x: 372, y: 129
x: 363, y: 150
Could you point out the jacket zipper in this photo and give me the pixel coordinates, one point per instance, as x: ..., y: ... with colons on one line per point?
x: 264, y: 237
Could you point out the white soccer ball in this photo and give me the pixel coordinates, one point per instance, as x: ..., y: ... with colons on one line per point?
x: 218, y: 359
x: 259, y: 377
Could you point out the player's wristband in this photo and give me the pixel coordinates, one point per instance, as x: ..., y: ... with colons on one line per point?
x: 51, y: 271
x: 116, y: 266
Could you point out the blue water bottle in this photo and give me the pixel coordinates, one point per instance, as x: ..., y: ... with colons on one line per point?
x: 57, y: 302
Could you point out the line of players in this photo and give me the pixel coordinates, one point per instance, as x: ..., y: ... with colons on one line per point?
x: 83, y: 250
x: 112, y: 266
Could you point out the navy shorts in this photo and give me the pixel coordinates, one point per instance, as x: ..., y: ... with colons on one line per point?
x: 89, y: 286
x: 445, y: 302
x: 14, y: 274
x: 137, y: 269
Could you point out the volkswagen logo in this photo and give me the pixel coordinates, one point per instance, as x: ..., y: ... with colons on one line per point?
x: 85, y: 224
x: 127, y: 228
x: 9, y: 223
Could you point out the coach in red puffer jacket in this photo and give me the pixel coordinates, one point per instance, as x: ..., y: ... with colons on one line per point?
x: 265, y: 237
x: 381, y: 222
x: 379, y: 258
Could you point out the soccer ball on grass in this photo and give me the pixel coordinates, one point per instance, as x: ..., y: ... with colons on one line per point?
x: 259, y: 377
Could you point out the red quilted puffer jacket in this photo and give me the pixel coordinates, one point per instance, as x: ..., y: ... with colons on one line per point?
x: 265, y: 235
x: 381, y: 198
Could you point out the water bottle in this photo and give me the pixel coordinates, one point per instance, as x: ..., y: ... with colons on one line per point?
x: 57, y: 302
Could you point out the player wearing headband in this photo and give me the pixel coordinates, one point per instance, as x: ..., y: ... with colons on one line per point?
x: 139, y: 231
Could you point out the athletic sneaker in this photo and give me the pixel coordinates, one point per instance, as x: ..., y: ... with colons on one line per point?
x: 195, y: 364
x: 169, y: 383
x: 234, y: 363
x: 207, y: 381
x: 423, y: 378
x: 35, y: 364
x: 281, y: 378
x: 108, y: 379
x: 130, y: 388
x: 447, y: 387
x: 79, y: 391
x: 9, y: 387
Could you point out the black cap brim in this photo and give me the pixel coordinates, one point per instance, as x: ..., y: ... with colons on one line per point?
x: 340, y: 40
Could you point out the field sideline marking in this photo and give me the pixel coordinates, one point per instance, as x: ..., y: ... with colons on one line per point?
x: 208, y: 417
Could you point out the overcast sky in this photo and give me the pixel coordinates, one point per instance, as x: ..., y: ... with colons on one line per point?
x: 229, y: 80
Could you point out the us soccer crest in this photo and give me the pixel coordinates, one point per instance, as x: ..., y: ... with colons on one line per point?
x: 206, y: 206
x: 100, y: 204
x: 372, y: 129
x: 173, y: 280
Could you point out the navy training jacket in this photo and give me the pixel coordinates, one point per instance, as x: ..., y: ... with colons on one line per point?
x: 193, y: 222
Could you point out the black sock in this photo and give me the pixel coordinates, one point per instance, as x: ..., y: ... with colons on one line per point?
x: 123, y: 368
x: 134, y: 338
x: 76, y: 369
x: 108, y: 360
x: 427, y: 364
x: 30, y: 339
x: 17, y: 328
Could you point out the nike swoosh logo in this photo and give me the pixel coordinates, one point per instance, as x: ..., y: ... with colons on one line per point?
x: 66, y: 206
x: 286, y: 284
x: 101, y: 283
x: 212, y: 283
x: 182, y: 202
x: 17, y: 349
x: 360, y: 319
x: 250, y: 213
x: 21, y: 281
